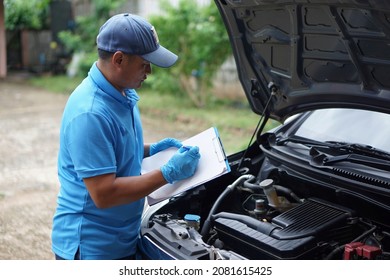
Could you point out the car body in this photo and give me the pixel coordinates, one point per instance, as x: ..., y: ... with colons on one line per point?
x: 317, y: 186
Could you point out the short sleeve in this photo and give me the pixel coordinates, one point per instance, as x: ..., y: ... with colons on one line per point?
x: 90, y: 141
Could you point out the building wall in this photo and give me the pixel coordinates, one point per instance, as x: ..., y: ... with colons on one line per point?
x: 37, y: 56
x: 3, y: 47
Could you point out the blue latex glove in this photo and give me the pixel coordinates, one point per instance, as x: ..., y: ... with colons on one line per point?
x: 164, y: 144
x: 181, y: 165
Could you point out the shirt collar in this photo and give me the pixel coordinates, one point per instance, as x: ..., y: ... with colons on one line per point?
x: 132, y: 96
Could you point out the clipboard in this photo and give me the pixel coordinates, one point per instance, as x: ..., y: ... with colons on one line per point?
x: 212, y: 164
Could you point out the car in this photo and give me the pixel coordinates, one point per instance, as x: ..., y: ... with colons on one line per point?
x: 317, y: 186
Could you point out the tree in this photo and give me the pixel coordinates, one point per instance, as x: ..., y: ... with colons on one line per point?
x: 83, y: 37
x: 26, y: 14
x: 197, y: 34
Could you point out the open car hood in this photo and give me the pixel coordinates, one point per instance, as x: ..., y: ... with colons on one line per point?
x: 294, y: 56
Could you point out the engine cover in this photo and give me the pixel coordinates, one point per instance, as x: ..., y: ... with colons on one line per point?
x: 290, y: 235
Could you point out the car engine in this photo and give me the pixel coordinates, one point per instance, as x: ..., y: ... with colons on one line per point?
x: 274, y: 217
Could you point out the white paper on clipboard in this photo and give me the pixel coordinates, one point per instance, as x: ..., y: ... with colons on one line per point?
x: 212, y: 164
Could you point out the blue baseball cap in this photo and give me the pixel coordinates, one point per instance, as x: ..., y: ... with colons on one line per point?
x: 132, y: 34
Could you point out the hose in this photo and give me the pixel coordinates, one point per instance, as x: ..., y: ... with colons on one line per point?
x: 288, y: 192
x: 228, y: 190
x: 255, y: 187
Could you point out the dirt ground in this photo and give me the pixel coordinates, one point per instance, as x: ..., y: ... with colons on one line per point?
x: 29, y: 126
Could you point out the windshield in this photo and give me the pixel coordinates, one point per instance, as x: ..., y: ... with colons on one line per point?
x: 348, y: 125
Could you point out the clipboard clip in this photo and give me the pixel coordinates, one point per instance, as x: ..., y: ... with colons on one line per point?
x: 218, y: 149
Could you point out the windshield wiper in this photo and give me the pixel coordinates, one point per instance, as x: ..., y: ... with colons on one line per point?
x: 323, y: 159
x: 354, y: 148
x: 330, y: 152
x: 361, y: 149
x: 300, y: 140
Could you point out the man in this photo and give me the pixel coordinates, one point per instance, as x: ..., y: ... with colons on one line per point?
x: 101, y: 148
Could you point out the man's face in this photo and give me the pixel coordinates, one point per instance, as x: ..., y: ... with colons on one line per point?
x: 134, y: 70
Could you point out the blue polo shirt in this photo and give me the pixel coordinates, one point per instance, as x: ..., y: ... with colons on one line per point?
x: 100, y: 133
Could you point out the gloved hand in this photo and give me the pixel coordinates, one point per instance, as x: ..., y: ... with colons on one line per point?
x: 181, y: 165
x: 164, y: 144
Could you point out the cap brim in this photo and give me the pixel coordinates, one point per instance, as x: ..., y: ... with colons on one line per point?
x: 161, y: 57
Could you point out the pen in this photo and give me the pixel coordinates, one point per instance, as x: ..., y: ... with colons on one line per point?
x: 187, y: 148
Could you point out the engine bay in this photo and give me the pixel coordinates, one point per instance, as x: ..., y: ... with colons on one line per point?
x: 273, y: 215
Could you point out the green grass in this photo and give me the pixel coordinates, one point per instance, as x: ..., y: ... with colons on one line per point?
x: 234, y: 120
x: 235, y: 124
x: 56, y: 84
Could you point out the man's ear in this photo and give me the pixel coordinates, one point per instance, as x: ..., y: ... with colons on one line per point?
x: 117, y: 58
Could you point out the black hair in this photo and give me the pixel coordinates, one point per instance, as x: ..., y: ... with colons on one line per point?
x: 104, y: 54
